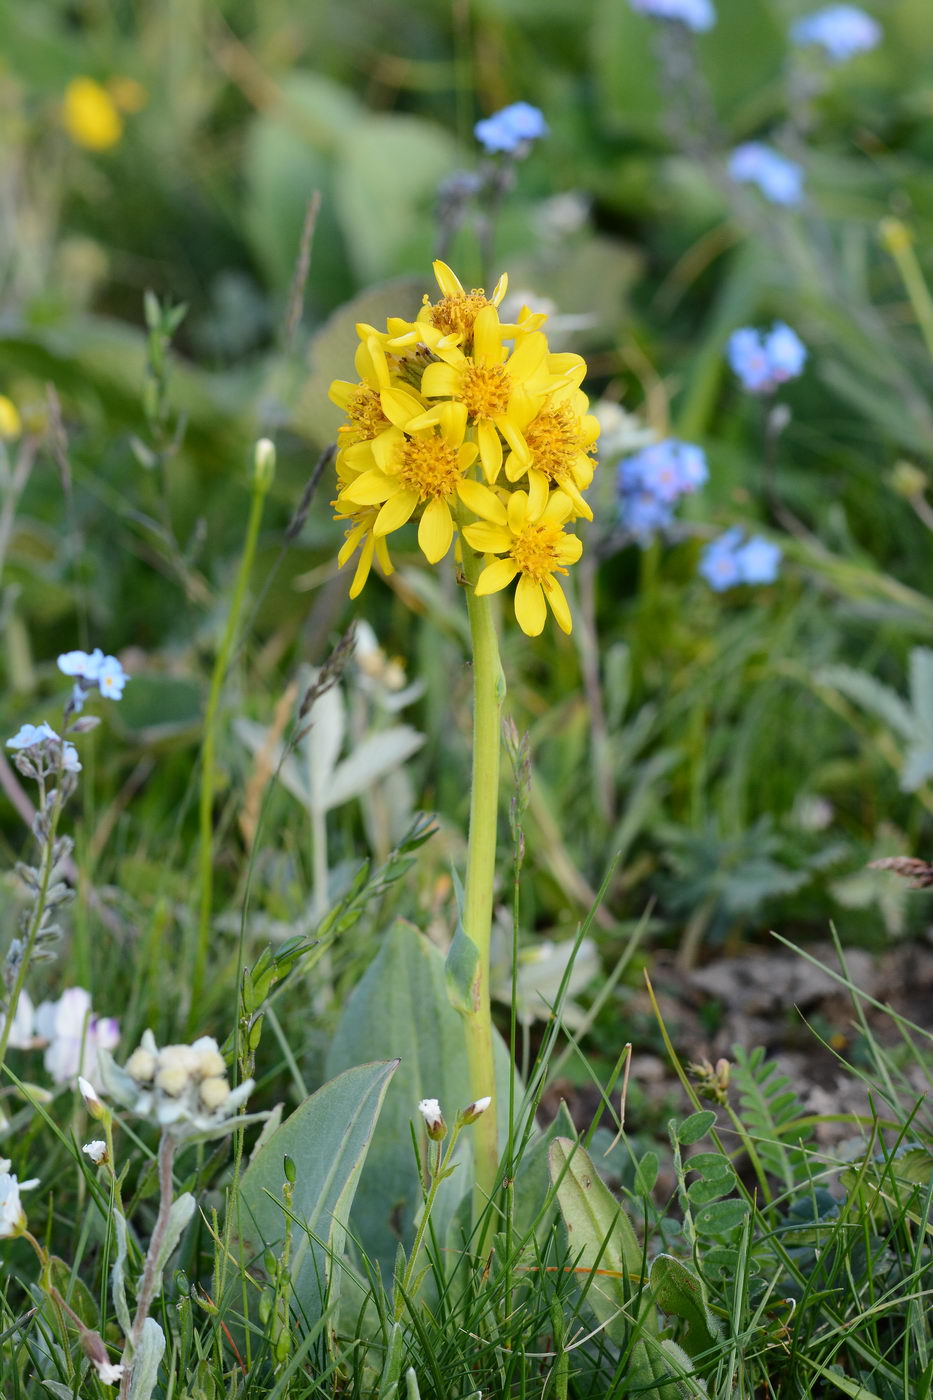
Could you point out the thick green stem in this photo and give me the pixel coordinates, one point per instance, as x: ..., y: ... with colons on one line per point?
x: 488, y: 694
x: 261, y: 483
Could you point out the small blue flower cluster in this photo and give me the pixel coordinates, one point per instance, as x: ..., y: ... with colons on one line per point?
x: 92, y: 670
x: 779, y: 179
x: 35, y: 736
x: 730, y: 560
x: 652, y: 481
x: 763, y: 361
x: 841, y: 31
x: 697, y: 15
x: 511, y: 129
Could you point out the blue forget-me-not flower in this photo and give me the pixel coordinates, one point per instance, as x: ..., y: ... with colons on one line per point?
x: 90, y: 670
x: 779, y: 179
x: 763, y: 360
x: 841, y: 31
x: 653, y: 480
x: 730, y: 560
x: 512, y: 128
x: 698, y: 15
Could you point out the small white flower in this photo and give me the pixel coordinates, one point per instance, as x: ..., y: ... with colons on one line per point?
x: 70, y: 760
x: 430, y: 1111
x: 109, y: 1372
x: 12, y: 1215
x: 183, y: 1087
x: 74, y: 1034
x: 96, y: 1150
x: 22, y: 1032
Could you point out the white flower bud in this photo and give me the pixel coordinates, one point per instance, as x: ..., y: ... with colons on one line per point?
x: 109, y: 1372
x: 179, y: 1057
x: 89, y: 1094
x: 173, y: 1079
x: 210, y: 1061
x: 475, y: 1110
x: 97, y: 1151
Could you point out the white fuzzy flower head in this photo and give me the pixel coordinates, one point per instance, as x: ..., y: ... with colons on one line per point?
x: 12, y: 1215
x: 109, y: 1372
x: 96, y: 1151
x: 184, y: 1088
x: 430, y: 1111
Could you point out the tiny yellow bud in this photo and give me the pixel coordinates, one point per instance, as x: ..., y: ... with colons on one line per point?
x: 128, y: 94
x: 895, y: 235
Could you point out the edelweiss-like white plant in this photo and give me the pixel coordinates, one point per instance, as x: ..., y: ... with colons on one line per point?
x: 183, y: 1088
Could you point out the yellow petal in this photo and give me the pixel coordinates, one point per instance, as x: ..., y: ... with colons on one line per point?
x: 447, y: 279
x: 518, y: 510
x: 496, y: 575
x: 370, y: 489
x: 580, y: 505
x: 440, y: 381
x: 362, y: 569
x: 396, y: 512
x: 486, y: 538
x: 385, y: 448
x: 382, y: 554
x: 490, y: 449
x: 481, y: 501
x: 350, y: 544
x: 400, y: 407
x: 500, y: 289
x: 466, y: 455
x: 453, y: 421
x: 487, y: 337
x: 558, y: 508
x: 528, y: 357
x: 512, y: 433
x: 435, y: 531
x: 559, y: 605
x: 530, y: 608
x: 341, y: 392
x: 537, y: 493
x: 569, y: 549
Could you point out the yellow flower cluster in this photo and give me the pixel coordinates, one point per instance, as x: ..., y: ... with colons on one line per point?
x: 468, y: 425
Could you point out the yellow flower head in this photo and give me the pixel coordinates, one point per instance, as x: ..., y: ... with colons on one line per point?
x: 441, y: 403
x: 90, y: 116
x: 530, y: 534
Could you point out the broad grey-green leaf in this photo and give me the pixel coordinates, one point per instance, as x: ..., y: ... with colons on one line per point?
x: 460, y: 967
x: 532, y: 1185
x: 696, y: 1126
x: 720, y: 1217
x: 386, y: 183
x: 327, y: 1137
x: 602, y: 1239
x: 870, y: 695
x: 181, y: 1212
x: 374, y: 757
x: 680, y: 1293
x: 401, y: 1008
x: 146, y: 1360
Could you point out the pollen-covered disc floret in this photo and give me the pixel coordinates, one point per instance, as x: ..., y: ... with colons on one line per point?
x: 465, y: 424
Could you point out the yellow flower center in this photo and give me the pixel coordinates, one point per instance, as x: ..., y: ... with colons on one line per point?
x: 554, y: 439
x: 455, y: 315
x: 365, y: 412
x: 535, y: 550
x: 485, y: 390
x: 430, y: 466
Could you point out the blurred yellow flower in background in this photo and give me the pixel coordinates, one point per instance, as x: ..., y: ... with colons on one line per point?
x: 10, y: 423
x: 90, y: 115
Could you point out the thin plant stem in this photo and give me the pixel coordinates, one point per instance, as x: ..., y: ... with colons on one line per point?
x: 208, y: 772
x: 45, y: 876
x: 488, y: 695
x: 147, y: 1283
